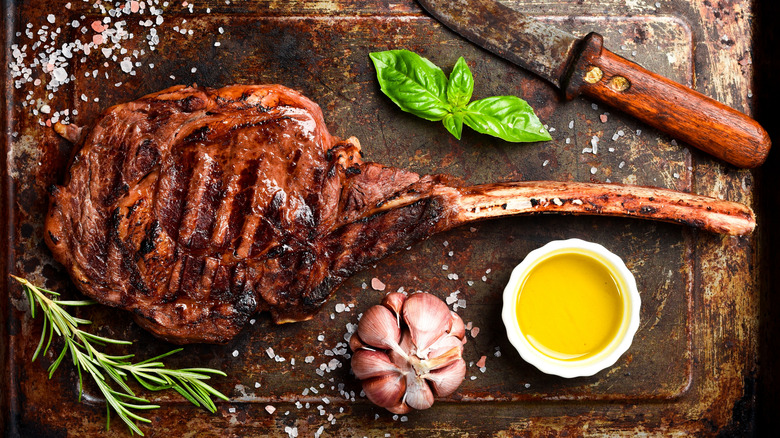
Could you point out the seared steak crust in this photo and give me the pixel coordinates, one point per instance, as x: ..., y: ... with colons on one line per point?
x: 196, y: 208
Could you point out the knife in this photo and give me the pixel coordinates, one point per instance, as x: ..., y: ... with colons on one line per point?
x: 583, y: 66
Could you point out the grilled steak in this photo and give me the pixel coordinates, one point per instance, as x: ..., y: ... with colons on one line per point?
x: 195, y: 208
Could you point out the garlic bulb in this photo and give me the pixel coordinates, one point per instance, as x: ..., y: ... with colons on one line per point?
x: 408, y: 351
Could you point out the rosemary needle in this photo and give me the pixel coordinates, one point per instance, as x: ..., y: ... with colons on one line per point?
x: 110, y: 372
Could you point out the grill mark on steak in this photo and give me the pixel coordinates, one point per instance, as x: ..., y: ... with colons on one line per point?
x: 195, y: 208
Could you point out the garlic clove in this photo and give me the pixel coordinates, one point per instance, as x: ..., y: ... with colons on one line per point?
x: 400, y: 409
x: 418, y: 393
x: 402, y: 360
x: 443, y: 351
x: 378, y: 328
x: 355, y: 343
x: 428, y: 318
x: 367, y: 364
x: 394, y: 301
x: 385, y: 391
x: 447, y: 379
x: 458, y: 329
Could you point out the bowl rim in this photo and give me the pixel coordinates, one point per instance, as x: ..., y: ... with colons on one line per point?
x: 591, y: 364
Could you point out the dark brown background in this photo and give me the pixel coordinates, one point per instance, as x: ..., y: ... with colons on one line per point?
x: 698, y: 363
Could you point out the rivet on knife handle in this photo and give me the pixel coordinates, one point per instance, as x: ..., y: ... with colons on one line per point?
x: 679, y: 111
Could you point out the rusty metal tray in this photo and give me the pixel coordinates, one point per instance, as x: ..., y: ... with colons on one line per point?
x: 707, y: 305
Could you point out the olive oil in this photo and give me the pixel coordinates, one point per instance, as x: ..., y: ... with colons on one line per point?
x: 570, y: 306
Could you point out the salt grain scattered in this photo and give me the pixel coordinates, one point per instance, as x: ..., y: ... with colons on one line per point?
x: 235, y: 353
x: 377, y: 284
x: 451, y: 298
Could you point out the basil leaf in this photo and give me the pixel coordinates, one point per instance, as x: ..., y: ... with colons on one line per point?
x: 414, y: 83
x: 461, y: 84
x: 419, y: 87
x: 507, y: 117
x: 454, y: 124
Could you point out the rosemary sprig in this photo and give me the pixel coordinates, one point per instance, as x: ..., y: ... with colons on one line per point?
x: 110, y: 371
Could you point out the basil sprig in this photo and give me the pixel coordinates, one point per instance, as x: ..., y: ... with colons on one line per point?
x: 419, y: 87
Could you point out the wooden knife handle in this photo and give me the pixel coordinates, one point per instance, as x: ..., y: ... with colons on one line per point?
x: 680, y: 111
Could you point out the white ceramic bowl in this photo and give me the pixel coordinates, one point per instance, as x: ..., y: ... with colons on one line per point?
x: 593, y: 363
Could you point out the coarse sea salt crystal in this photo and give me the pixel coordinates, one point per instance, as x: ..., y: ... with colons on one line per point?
x: 60, y: 74
x: 377, y: 284
x: 126, y: 65
x: 235, y: 353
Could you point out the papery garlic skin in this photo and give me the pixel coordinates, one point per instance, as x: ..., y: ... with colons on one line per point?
x: 409, y: 350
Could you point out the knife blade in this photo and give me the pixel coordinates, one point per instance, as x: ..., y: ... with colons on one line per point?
x: 583, y: 66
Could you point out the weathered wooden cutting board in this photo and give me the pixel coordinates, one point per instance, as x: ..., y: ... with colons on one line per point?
x: 691, y: 365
